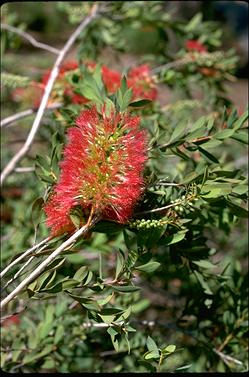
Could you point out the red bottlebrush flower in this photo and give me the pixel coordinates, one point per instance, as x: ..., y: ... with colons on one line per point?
x: 68, y: 91
x: 142, y: 84
x: 67, y: 66
x: 101, y: 169
x: 70, y: 65
x: 111, y: 79
x: 12, y: 320
x: 90, y: 65
x: 74, y: 97
x: 30, y: 95
x: 194, y: 45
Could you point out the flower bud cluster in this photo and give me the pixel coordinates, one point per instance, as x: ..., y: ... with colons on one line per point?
x: 184, y: 202
x: 147, y: 224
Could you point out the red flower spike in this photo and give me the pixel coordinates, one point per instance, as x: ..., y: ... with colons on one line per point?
x: 101, y: 169
x: 141, y: 82
x: 194, y: 45
x: 111, y: 79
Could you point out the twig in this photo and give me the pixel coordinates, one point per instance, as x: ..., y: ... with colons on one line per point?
x: 23, y: 114
x: 48, y: 88
x: 83, y: 230
x: 31, y: 39
x: 22, y: 268
x: 28, y: 169
x: 174, y: 64
x: 231, y: 335
x: 227, y: 358
x: 158, y: 209
x: 161, y: 183
x: 27, y: 252
x: 2, y: 319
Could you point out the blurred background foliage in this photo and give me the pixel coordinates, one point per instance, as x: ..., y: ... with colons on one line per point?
x: 190, y: 313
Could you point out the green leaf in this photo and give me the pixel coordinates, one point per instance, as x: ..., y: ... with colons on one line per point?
x: 18, y: 345
x: 151, y: 355
x: 211, y: 143
x: 81, y: 273
x: 241, y: 136
x: 148, y: 267
x: 55, y: 288
x: 203, y: 283
x: 169, y: 349
x: 123, y: 98
x: 208, y: 155
x: 126, y: 99
x: 114, y: 338
x: 151, y: 345
x: 140, y: 305
x: 86, y: 302
x: 198, y: 124
x: 108, y: 227
x: 184, y: 367
x: 141, y: 103
x: 55, y: 264
x: 91, y: 93
x: 124, y: 85
x: 36, y: 356
x: 97, y: 76
x: 193, y: 23
x: 43, y: 163
x: 174, y: 238
x: 236, y: 210
x: 119, y: 265
x: 204, y: 264
x: 69, y: 283
x: 127, y: 313
x: 125, y: 288
x: 36, y: 211
x: 232, y: 118
x: 59, y: 334
x: 108, y: 314
x: 107, y: 318
x: 224, y: 134
x: 178, y: 131
x: 47, y: 281
x: 128, y: 238
x: 239, y: 123
x: 196, y: 134
x: 215, y: 190
x: 106, y: 299
x: 240, y: 189
x: 109, y: 106
x: 89, y: 278
x: 14, y: 81
x: 190, y: 177
x: 46, y: 178
x: 45, y: 327
x: 76, y: 220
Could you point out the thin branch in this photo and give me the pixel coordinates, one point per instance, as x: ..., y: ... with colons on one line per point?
x: 48, y: 88
x: 31, y: 39
x: 158, y: 209
x: 22, y: 268
x: 27, y: 252
x: 174, y: 64
x: 28, y: 169
x: 23, y: 114
x: 162, y: 183
x: 227, y: 358
x: 2, y: 319
x: 83, y: 230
